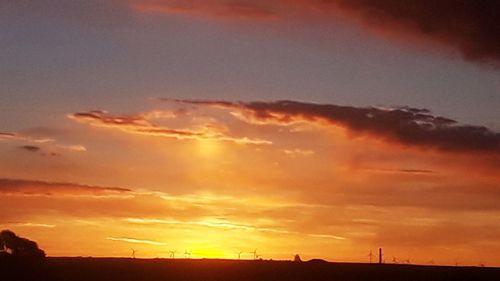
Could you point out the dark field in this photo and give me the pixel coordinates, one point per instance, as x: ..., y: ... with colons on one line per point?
x: 110, y: 269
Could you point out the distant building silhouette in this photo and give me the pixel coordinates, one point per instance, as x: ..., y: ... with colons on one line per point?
x: 296, y: 258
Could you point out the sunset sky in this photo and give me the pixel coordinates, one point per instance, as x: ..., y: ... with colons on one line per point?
x: 323, y: 128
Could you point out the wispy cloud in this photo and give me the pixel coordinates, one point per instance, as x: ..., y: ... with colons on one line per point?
x: 229, y: 10
x: 135, y: 241
x: 30, y: 188
x: 404, y: 171
x: 225, y: 224
x: 7, y: 136
x: 30, y: 148
x: 77, y: 148
x: 44, y: 146
x: 21, y: 137
x: 298, y: 152
x: 141, y: 124
x: 31, y: 224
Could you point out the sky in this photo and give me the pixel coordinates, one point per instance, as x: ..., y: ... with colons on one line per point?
x: 321, y: 128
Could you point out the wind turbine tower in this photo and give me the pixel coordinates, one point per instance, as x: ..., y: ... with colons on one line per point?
x: 172, y: 254
x: 254, y: 254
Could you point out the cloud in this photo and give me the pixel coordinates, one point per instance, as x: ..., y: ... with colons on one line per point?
x: 77, y: 148
x: 298, y: 152
x: 405, y: 125
x: 230, y: 225
x: 45, y: 146
x: 9, y: 136
x: 31, y: 224
x: 29, y: 188
x: 141, y: 125
x: 467, y: 26
x: 30, y: 148
x: 403, y: 171
x: 43, y: 152
x: 233, y: 10
x: 135, y: 241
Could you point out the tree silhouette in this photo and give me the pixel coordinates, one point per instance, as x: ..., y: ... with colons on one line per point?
x: 21, y: 259
x: 16, y: 246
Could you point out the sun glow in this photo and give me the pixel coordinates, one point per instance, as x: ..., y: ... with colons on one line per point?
x: 208, y: 147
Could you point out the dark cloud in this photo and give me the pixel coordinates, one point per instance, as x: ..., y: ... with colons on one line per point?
x: 30, y: 148
x: 473, y: 27
x: 29, y: 187
x: 405, y: 125
x: 403, y: 171
x: 106, y: 119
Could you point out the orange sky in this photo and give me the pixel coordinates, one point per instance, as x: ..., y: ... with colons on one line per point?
x: 219, y: 178
x: 217, y: 127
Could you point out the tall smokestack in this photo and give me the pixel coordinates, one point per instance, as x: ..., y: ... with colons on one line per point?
x: 380, y: 255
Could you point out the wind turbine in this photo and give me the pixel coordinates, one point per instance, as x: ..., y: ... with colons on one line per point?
x: 133, y: 253
x: 172, y: 254
x: 371, y: 256
x: 239, y: 255
x: 187, y: 254
x: 255, y: 256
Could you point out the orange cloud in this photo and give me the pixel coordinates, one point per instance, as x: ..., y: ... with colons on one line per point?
x: 141, y: 125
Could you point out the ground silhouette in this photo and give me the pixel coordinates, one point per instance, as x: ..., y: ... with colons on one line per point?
x: 111, y: 269
x: 22, y: 260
